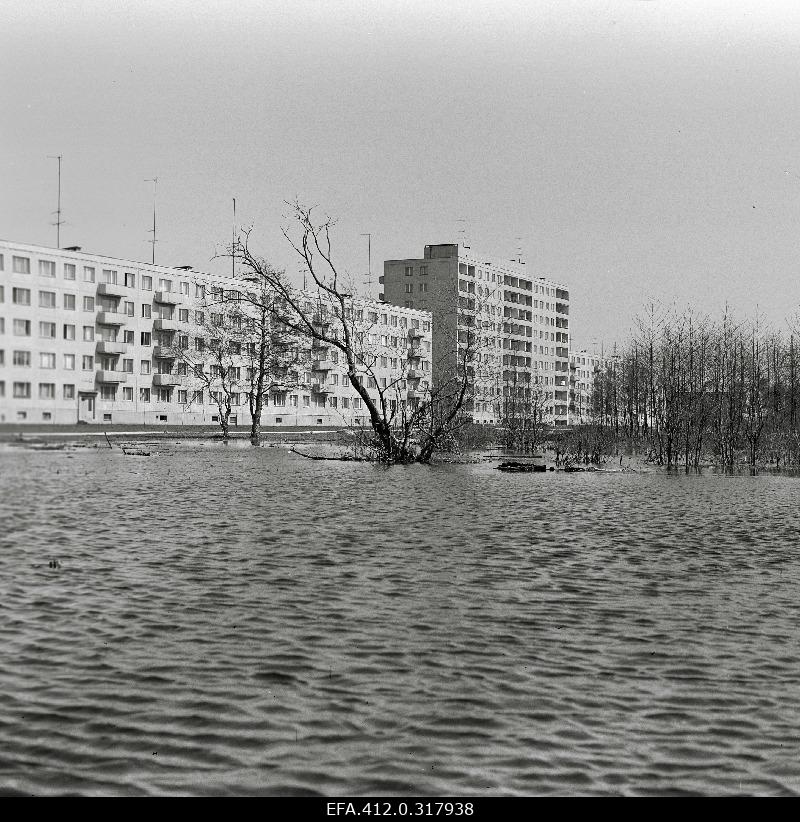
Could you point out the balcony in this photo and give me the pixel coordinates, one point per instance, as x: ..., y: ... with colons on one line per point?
x: 112, y: 377
x: 111, y: 290
x: 413, y: 394
x: 322, y: 365
x: 164, y: 352
x: 415, y: 334
x: 319, y: 388
x: 165, y: 325
x: 167, y: 298
x: 319, y: 346
x: 415, y: 352
x: 166, y: 380
x: 413, y: 374
x: 108, y: 347
x: 110, y: 318
x: 321, y: 320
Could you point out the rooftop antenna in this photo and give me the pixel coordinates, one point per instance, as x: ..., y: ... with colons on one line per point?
x: 233, y: 242
x: 154, y: 181
x: 518, y: 259
x: 369, y: 261
x: 462, y: 232
x: 58, y: 223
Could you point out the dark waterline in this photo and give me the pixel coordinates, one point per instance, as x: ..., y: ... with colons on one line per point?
x: 239, y: 620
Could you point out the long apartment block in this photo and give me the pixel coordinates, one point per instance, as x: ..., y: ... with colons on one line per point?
x: 93, y: 339
x: 521, y: 324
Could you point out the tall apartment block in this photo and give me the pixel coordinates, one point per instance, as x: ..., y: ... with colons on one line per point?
x: 585, y: 369
x: 89, y: 338
x: 520, y: 322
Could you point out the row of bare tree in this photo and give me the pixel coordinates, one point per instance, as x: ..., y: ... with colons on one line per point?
x: 692, y: 389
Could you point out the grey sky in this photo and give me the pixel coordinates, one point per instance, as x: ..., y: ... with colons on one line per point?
x: 639, y: 149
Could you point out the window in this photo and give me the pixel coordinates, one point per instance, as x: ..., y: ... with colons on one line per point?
x: 127, y: 337
x: 109, y: 276
x: 164, y: 285
x: 47, y: 391
x: 88, y: 303
x: 88, y: 274
x: 69, y: 392
x: 108, y: 392
x: 409, y: 271
x: 2, y: 294
x: 423, y: 271
x: 147, y: 283
x: 164, y: 394
x: 1, y: 262
x: 21, y: 296
x: 88, y: 333
x: 130, y: 309
x: 127, y: 394
x: 47, y: 268
x: 197, y: 397
x: 145, y: 338
x: 22, y: 358
x: 130, y: 282
x: 69, y: 302
x: 22, y: 390
x: 306, y: 401
x: 87, y: 363
x: 69, y: 332
x: 409, y: 288
x: 147, y: 311
x: 144, y: 395
x: 47, y: 360
x: 69, y: 271
x: 48, y: 331
x: 69, y: 362
x: 198, y: 317
x: 185, y: 289
x: 423, y: 286
x: 144, y: 366
x: 182, y: 397
x: 21, y: 265
x: 183, y: 315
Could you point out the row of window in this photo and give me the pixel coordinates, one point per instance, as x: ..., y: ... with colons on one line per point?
x: 47, y: 268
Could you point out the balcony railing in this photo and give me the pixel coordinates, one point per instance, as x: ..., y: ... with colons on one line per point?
x: 322, y: 365
x: 413, y: 374
x: 319, y: 388
x: 165, y: 325
x: 111, y: 290
x: 110, y: 318
x: 108, y: 347
x: 111, y: 376
x: 414, y: 334
x: 165, y: 380
x: 164, y: 352
x: 167, y: 298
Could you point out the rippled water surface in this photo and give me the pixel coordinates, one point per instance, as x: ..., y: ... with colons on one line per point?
x: 245, y: 621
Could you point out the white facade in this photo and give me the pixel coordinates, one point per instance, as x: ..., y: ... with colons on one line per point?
x: 522, y: 323
x: 88, y: 338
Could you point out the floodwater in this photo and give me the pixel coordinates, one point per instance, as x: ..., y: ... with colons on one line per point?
x: 238, y: 620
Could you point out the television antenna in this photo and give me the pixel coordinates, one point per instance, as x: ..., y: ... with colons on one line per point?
x: 59, y: 222
x: 154, y: 181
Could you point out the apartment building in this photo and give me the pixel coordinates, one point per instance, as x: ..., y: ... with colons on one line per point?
x: 584, y: 369
x: 517, y: 324
x: 93, y: 339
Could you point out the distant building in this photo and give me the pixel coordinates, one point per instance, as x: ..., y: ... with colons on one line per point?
x: 519, y: 325
x: 89, y: 338
x: 585, y: 370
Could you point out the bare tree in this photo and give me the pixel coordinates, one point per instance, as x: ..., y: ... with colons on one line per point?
x: 409, y: 422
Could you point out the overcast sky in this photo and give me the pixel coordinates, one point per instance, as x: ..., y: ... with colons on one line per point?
x: 637, y: 148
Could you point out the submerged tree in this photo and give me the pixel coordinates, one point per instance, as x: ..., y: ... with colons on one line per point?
x: 410, y: 421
